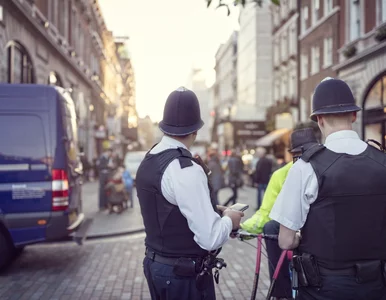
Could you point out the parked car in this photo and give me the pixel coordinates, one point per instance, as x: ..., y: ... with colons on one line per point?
x: 133, y: 160
x: 40, y: 171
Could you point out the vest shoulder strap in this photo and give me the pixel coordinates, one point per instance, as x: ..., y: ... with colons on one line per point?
x: 310, y: 152
x: 185, y: 162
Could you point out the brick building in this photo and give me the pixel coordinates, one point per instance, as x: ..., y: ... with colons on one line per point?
x: 60, y: 42
x: 362, y: 62
x: 319, y: 42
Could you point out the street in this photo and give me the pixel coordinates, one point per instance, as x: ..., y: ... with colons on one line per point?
x: 111, y: 268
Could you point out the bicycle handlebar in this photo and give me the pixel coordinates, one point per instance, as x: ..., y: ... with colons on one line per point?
x: 241, y: 234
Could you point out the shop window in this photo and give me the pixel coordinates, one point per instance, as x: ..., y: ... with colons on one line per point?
x: 18, y: 64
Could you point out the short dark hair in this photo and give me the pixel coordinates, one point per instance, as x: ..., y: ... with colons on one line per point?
x: 310, y: 124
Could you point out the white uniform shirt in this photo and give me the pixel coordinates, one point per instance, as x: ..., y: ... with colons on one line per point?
x: 300, y: 189
x: 188, y: 189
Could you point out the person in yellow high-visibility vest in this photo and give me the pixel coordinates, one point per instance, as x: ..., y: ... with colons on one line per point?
x: 301, y: 140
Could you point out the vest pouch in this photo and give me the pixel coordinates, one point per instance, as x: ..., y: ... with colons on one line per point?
x: 185, y: 267
x: 311, y: 269
x: 300, y: 273
x: 368, y: 271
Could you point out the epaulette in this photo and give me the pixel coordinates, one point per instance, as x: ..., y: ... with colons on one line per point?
x: 380, y: 148
x: 185, y: 159
x: 306, y: 156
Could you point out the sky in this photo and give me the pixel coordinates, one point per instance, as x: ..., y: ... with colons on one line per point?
x: 166, y: 39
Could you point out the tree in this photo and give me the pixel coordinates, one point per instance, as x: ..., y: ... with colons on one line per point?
x: 226, y: 4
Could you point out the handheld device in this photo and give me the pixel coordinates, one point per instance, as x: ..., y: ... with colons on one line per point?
x: 239, y: 207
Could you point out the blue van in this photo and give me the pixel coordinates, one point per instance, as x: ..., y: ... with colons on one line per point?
x: 40, y: 169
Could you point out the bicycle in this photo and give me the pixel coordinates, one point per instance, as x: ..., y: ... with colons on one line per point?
x: 286, y: 254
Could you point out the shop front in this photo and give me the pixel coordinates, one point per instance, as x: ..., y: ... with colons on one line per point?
x: 374, y: 110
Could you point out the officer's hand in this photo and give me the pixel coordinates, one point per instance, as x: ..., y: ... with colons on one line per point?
x: 235, y: 216
x: 221, y: 208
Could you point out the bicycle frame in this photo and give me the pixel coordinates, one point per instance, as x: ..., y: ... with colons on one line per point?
x: 286, y: 254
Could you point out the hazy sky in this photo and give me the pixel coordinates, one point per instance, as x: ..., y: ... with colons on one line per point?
x: 167, y: 37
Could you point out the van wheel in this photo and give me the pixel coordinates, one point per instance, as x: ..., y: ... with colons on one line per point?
x: 6, y: 251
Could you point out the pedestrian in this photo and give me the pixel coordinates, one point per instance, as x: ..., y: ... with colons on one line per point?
x: 181, y: 223
x: 262, y: 174
x: 235, y: 180
x: 105, y: 166
x: 217, y: 174
x: 336, y: 196
x: 301, y: 139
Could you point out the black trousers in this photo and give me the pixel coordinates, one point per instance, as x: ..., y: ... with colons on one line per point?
x: 165, y: 285
x: 232, y: 199
x: 345, y: 288
x: 283, y: 288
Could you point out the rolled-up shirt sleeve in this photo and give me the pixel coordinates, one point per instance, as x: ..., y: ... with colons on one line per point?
x: 299, y: 191
x: 191, y: 193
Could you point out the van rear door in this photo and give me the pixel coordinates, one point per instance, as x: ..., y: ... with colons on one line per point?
x: 25, y: 185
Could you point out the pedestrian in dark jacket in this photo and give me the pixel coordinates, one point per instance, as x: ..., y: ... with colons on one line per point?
x: 235, y: 168
x: 262, y: 174
x: 217, y: 175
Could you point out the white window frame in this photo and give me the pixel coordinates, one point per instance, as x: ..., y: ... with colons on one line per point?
x: 354, y: 32
x: 292, y: 40
x: 381, y: 11
x: 291, y: 84
x: 284, y: 87
x: 327, y: 52
x: 315, y: 60
x: 315, y: 12
x: 284, y: 46
x: 276, y: 53
x: 304, y: 19
x: 328, y: 6
x: 304, y: 61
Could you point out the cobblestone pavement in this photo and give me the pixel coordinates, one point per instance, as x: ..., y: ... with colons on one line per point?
x: 112, y: 269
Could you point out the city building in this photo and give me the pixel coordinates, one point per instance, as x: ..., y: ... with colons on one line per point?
x: 285, y: 60
x: 254, y: 74
x: 63, y: 43
x: 362, y: 62
x: 224, y: 93
x: 197, y: 83
x: 146, y: 132
x: 319, y: 42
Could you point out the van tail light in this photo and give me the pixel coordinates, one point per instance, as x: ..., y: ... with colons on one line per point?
x: 59, y: 190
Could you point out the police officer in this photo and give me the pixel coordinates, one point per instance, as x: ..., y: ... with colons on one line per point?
x: 336, y: 196
x: 181, y: 222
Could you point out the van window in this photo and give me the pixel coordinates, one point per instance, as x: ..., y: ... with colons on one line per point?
x: 71, y: 130
x: 21, y: 136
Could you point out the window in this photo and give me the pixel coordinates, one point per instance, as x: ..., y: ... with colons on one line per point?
x: 53, y: 4
x: 315, y: 59
x: 24, y: 139
x: 284, y: 46
x: 381, y: 11
x: 291, y: 85
x: 327, y: 52
x: 292, y: 4
x: 304, y: 66
x: 283, y: 87
x: 315, y: 11
x: 304, y: 19
x: 277, y: 53
x: 19, y: 65
x: 328, y: 6
x: 292, y: 40
x: 354, y: 20
x: 275, y: 13
x: 1, y: 14
x: 283, y: 9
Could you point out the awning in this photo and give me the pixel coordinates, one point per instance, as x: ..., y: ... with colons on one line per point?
x: 268, y: 139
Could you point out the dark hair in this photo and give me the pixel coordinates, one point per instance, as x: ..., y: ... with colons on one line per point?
x: 310, y: 124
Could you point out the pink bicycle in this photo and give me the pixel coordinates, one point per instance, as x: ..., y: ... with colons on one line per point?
x: 286, y: 254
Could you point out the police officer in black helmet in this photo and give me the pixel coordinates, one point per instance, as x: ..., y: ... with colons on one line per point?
x: 336, y: 196
x: 181, y: 221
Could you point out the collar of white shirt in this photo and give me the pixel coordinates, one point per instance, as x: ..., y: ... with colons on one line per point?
x: 172, y: 143
x: 342, y: 134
